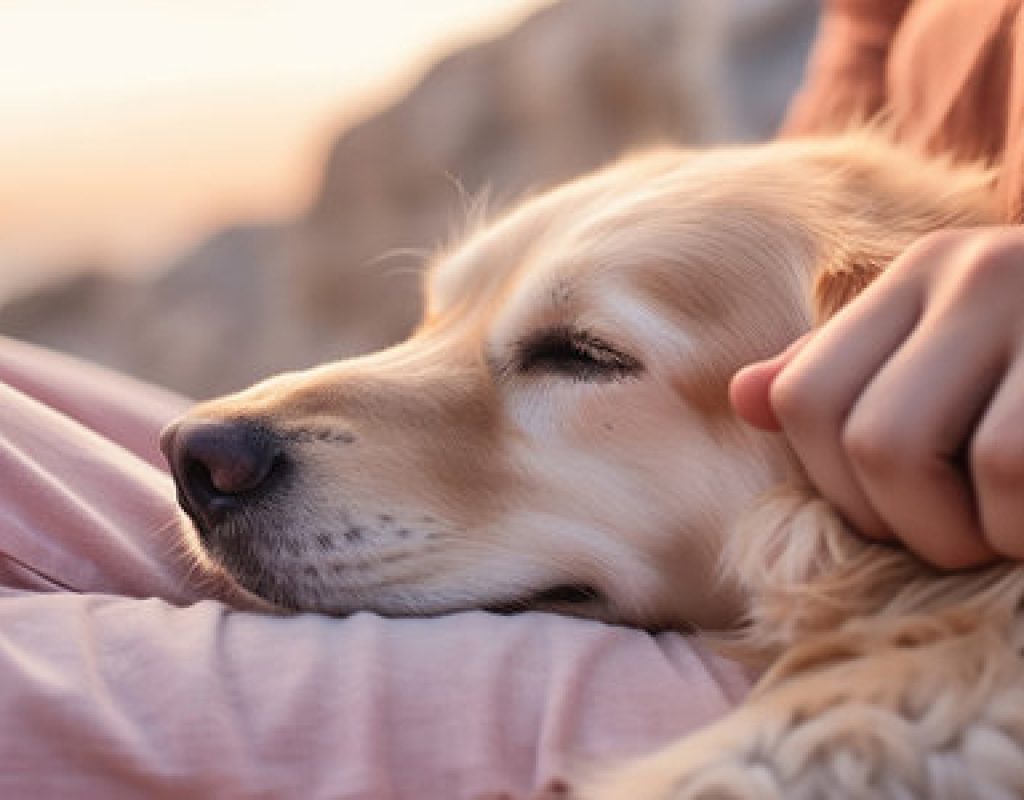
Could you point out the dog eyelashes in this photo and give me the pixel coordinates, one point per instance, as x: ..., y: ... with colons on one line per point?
x: 574, y: 354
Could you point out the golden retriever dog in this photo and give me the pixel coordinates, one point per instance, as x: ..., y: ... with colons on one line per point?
x: 557, y: 435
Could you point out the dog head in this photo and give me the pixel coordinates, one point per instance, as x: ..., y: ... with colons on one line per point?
x: 556, y: 434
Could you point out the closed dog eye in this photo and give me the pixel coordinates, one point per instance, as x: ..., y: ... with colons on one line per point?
x: 574, y: 354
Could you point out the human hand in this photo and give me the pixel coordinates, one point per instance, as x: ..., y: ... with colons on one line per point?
x: 907, y: 408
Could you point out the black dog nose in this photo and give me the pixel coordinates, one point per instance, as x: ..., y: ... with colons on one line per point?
x: 218, y: 465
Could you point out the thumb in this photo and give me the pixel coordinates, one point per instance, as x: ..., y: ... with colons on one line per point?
x: 750, y: 388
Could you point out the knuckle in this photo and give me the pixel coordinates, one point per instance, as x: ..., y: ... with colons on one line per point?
x: 794, y: 399
x: 875, y: 447
x: 806, y: 402
x: 922, y: 254
x: 940, y: 240
x: 997, y: 461
x: 988, y: 262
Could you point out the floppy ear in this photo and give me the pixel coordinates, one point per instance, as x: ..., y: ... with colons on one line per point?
x: 837, y: 285
x: 880, y: 201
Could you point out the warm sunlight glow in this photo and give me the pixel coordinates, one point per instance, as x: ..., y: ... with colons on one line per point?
x: 129, y: 127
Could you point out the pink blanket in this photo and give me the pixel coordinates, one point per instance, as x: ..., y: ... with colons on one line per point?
x: 125, y: 672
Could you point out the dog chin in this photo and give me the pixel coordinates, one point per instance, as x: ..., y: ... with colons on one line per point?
x: 277, y: 592
x: 216, y: 580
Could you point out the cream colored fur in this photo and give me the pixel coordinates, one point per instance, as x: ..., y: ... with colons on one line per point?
x: 442, y: 474
x: 885, y: 678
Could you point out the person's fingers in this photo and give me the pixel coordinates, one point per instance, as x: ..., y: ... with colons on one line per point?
x: 906, y: 435
x: 750, y: 387
x: 997, y: 465
x: 815, y: 393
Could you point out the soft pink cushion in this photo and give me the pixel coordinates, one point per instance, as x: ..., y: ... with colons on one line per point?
x: 127, y: 672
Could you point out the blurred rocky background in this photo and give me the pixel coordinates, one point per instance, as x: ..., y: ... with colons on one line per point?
x: 570, y: 88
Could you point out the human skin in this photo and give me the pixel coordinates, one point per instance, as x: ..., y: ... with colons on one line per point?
x: 906, y: 409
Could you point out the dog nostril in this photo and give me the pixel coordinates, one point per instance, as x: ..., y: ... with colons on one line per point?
x: 197, y: 476
x: 215, y: 463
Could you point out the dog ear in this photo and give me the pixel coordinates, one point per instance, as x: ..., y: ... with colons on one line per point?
x: 881, y: 199
x: 838, y: 284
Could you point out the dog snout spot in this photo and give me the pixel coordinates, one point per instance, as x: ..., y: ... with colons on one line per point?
x: 220, y: 466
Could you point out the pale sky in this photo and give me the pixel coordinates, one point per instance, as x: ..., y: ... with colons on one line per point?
x: 128, y: 128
